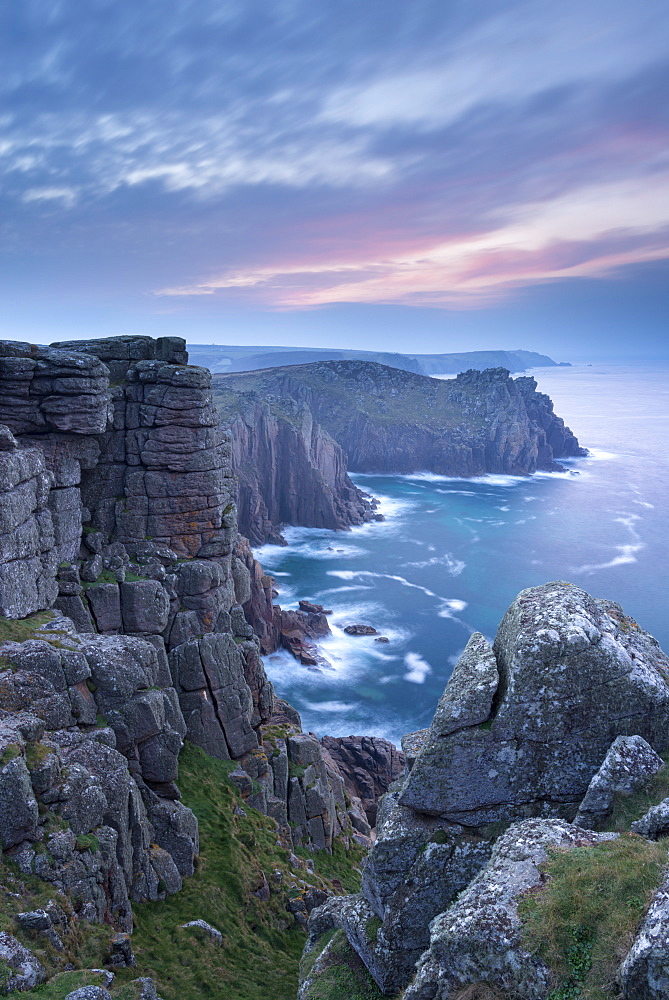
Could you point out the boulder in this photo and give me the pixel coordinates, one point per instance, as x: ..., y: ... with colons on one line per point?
x: 574, y: 673
x: 655, y: 823
x: 644, y: 974
x: 25, y: 972
x: 627, y: 767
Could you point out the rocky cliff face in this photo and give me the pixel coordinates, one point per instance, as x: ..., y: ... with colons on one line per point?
x: 289, y: 470
x: 387, y: 420
x: 123, y: 589
x: 569, y: 706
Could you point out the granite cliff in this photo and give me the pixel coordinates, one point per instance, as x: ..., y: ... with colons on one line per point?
x: 296, y: 429
x: 531, y: 742
x: 289, y: 469
x: 123, y: 632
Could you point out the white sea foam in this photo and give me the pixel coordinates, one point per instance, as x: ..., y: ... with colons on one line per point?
x: 449, y: 605
x: 343, y: 590
x: 452, y: 565
x: 626, y: 552
x: 418, y: 668
x: 329, y: 706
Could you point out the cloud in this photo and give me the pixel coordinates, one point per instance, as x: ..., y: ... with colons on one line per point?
x: 589, y: 232
x: 294, y: 155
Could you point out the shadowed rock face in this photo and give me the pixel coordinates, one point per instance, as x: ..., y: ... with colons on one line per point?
x: 387, y: 420
x: 523, y: 730
x: 369, y: 766
x: 289, y: 471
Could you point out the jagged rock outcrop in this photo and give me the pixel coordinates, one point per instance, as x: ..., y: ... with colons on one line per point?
x: 369, y: 766
x: 479, y: 939
x: 127, y: 604
x: 289, y: 469
x: 387, y: 420
x: 520, y: 732
x: 627, y: 766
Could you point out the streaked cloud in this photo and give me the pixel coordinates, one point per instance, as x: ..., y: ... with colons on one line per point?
x: 292, y: 156
x: 584, y: 233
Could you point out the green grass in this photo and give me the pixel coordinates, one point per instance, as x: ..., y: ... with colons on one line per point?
x: 432, y: 403
x: 629, y: 808
x: 20, y: 629
x: 11, y: 752
x: 342, y: 866
x: 344, y: 977
x: 87, y: 842
x: 262, y: 944
x: 583, y: 920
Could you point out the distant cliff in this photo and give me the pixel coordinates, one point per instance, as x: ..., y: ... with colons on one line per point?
x: 388, y: 420
x: 289, y: 469
x: 228, y: 358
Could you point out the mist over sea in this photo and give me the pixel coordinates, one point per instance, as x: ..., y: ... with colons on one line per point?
x: 453, y: 553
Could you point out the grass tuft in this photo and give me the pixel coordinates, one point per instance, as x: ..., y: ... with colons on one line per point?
x: 343, y: 976
x: 583, y: 920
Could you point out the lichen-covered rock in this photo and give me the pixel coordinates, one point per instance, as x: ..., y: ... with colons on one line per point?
x: 28, y: 554
x: 644, y: 975
x: 25, y: 972
x: 18, y: 805
x: 520, y: 732
x: 655, y: 823
x: 575, y: 672
x: 627, y: 766
x: 479, y: 938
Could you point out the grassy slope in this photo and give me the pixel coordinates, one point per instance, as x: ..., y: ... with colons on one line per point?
x: 583, y: 921
x: 262, y: 945
x: 429, y: 401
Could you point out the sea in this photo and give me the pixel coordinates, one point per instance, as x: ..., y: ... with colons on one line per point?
x: 453, y: 553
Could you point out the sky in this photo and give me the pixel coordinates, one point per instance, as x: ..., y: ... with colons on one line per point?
x: 420, y: 176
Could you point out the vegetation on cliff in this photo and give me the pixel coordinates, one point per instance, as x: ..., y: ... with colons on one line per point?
x: 239, y: 854
x: 388, y: 420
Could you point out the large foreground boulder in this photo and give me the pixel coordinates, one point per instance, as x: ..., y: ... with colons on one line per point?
x: 569, y: 706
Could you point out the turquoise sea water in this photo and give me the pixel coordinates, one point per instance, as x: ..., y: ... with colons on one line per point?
x: 453, y: 553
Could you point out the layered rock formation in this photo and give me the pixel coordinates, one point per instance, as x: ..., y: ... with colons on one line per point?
x: 289, y: 469
x: 123, y: 589
x: 569, y: 706
x: 387, y: 420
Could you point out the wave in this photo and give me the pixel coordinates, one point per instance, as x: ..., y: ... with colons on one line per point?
x: 329, y: 706
x: 626, y: 552
x: 453, y: 566
x: 418, y: 668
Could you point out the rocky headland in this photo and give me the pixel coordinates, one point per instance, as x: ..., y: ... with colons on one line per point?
x: 123, y: 633
x: 296, y: 430
x: 228, y: 358
x: 163, y: 817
